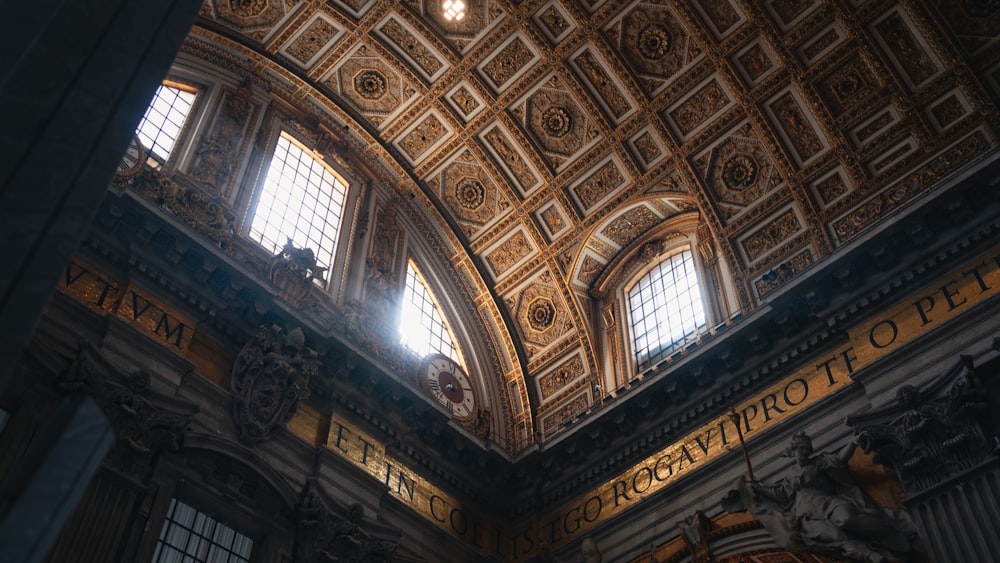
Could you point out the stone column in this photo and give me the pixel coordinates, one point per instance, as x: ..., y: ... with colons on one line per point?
x: 75, y: 78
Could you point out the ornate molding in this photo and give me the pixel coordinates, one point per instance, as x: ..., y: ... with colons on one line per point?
x: 323, y: 535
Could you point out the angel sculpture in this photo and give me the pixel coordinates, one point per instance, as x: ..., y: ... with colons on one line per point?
x: 822, y: 508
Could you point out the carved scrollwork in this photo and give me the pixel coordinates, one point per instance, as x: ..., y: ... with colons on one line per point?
x: 145, y: 423
x: 323, y: 535
x: 206, y: 214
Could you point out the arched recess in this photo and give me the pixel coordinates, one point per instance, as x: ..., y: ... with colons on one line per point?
x: 399, y: 230
x: 195, y: 442
x: 469, y: 313
x: 625, y: 246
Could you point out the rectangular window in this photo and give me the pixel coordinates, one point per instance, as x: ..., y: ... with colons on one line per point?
x: 164, y: 119
x: 302, y: 199
x: 666, y: 309
x: 191, y: 536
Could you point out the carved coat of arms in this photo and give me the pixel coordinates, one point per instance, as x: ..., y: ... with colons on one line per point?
x: 269, y: 380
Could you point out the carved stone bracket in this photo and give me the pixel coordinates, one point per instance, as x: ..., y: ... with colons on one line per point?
x: 270, y: 378
x: 145, y: 422
x: 930, y: 434
x: 324, y: 535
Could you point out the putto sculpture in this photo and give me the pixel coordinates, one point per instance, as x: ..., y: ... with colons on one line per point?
x: 823, y: 509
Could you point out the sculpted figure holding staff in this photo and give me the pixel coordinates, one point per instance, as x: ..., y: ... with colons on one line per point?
x: 822, y: 508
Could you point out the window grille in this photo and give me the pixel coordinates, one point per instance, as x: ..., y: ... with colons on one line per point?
x: 423, y: 328
x: 302, y: 199
x: 666, y: 309
x: 164, y: 119
x: 191, y: 536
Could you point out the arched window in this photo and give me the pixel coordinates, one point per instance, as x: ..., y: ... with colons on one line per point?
x: 665, y: 309
x: 421, y: 324
x: 164, y: 119
x: 301, y: 199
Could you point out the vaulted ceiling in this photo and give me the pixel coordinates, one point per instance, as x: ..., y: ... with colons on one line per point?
x: 551, y: 135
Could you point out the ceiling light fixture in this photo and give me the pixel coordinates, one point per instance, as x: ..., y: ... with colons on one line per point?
x: 453, y: 10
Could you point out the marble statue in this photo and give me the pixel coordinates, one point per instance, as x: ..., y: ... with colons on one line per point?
x: 823, y: 509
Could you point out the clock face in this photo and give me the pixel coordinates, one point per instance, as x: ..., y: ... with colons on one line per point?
x: 449, y: 385
x: 131, y: 162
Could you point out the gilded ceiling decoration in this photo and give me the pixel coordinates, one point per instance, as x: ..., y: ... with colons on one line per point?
x: 547, y: 137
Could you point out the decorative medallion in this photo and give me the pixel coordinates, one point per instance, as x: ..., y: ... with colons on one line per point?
x: 557, y: 122
x: 469, y: 193
x: 654, y: 43
x: 739, y: 171
x: 371, y: 85
x: 540, y: 313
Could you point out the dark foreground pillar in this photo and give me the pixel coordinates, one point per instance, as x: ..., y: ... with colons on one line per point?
x: 75, y: 78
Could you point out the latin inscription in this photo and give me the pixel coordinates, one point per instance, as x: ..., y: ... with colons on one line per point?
x: 132, y: 304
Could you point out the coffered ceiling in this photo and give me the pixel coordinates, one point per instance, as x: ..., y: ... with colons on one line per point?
x: 549, y: 135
